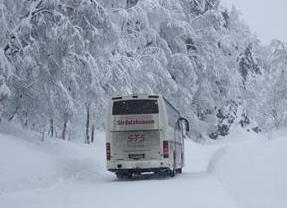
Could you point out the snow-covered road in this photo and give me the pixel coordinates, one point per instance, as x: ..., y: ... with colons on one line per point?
x: 60, y: 175
x: 189, y: 190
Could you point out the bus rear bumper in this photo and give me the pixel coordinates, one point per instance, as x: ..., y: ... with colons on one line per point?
x: 139, y: 166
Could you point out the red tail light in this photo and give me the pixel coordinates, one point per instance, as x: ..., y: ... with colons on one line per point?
x: 165, y: 149
x: 108, y: 151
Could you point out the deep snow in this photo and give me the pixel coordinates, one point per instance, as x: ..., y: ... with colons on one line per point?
x: 254, y: 172
x: 244, y: 170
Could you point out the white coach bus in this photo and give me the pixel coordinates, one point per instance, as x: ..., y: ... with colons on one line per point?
x: 145, y: 133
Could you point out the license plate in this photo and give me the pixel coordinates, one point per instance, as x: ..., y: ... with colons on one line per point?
x: 136, y: 156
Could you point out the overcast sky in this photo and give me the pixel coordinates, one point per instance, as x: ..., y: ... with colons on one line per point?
x: 267, y: 18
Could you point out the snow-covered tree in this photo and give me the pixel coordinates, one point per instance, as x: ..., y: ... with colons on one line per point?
x: 60, y: 60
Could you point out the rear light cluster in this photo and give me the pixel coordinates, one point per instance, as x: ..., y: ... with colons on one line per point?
x: 165, y: 149
x: 108, y: 151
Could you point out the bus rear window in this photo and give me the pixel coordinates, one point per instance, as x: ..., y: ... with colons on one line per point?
x: 128, y: 107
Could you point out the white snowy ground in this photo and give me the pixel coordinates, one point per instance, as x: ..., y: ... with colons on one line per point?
x: 244, y: 170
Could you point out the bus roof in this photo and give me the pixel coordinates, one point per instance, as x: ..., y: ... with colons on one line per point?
x: 143, y: 96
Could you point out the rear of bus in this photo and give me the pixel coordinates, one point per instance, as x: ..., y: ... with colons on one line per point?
x: 135, y: 135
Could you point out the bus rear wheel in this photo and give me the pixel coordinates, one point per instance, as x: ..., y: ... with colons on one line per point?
x: 179, y: 170
x: 172, y: 173
x: 124, y: 176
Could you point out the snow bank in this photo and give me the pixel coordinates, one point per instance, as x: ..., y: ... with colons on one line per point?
x: 81, y: 180
x: 23, y: 166
x: 244, y: 170
x: 254, y: 170
x: 199, y: 157
x: 28, y: 163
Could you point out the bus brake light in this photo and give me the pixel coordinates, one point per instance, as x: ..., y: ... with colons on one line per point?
x: 108, y: 151
x: 165, y: 149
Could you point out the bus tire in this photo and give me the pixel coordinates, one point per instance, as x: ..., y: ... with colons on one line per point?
x: 179, y: 170
x: 124, y: 176
x: 172, y: 173
x: 120, y: 176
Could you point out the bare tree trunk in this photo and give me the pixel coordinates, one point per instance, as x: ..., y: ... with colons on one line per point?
x: 13, y: 114
x: 276, y: 119
x: 64, y: 130
x: 26, y: 119
x: 52, y: 128
x: 87, y: 141
x: 26, y: 123
x: 43, y: 135
x: 93, y: 133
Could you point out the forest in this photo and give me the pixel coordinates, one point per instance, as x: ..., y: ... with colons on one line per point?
x: 61, y: 60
